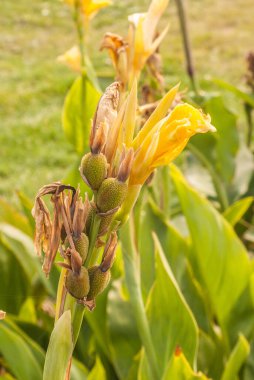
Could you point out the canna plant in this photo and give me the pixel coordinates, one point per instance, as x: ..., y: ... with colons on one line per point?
x: 80, y: 231
x: 85, y: 231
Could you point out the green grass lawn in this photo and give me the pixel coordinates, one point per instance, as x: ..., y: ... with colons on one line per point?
x: 33, y: 85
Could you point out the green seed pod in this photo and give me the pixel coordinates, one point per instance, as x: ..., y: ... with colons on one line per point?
x: 94, y: 169
x: 81, y: 244
x: 111, y: 194
x: 98, y: 281
x: 78, y: 284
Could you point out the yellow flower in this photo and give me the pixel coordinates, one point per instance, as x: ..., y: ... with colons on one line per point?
x: 71, y: 58
x: 142, y: 34
x: 164, y: 141
x: 89, y: 8
x: 129, y: 56
x: 162, y: 137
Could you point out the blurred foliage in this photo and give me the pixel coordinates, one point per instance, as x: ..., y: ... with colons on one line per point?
x: 195, y: 238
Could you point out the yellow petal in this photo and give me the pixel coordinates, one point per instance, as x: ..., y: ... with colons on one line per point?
x: 91, y: 7
x: 71, y: 58
x: 160, y: 112
x: 128, y: 125
x: 182, y: 123
x: 142, y: 164
x: 155, y: 11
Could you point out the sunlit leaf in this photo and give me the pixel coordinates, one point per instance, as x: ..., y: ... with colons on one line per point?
x: 123, y: 332
x: 79, y: 108
x: 97, y: 372
x: 221, y: 257
x: 236, y: 211
x: 179, y: 369
x: 170, y: 319
x: 25, y: 365
x: 59, y: 349
x: 236, y: 359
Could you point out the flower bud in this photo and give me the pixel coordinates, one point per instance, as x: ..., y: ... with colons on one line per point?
x: 94, y: 169
x: 78, y: 284
x: 111, y: 194
x: 98, y: 281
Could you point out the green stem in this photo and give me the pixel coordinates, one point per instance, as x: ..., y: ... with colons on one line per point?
x: 61, y: 293
x: 77, y: 314
x: 132, y: 275
x: 220, y: 189
x: 248, y: 112
x: 186, y: 43
x: 92, y: 238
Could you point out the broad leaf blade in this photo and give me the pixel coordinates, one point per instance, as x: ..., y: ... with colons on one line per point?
x: 59, y: 350
x: 180, y: 369
x: 221, y: 257
x: 170, y: 319
x: 236, y: 359
x: 235, y: 212
x: 79, y: 107
x: 25, y: 365
x: 123, y: 333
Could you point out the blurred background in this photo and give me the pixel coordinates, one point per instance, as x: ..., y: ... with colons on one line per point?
x: 34, y: 150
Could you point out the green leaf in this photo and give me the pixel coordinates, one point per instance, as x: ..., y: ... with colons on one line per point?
x: 27, y: 206
x: 97, y: 372
x: 123, y: 332
x: 235, y: 212
x: 79, y: 107
x: 227, y: 142
x: 21, y: 246
x: 240, y: 94
x: 236, y: 359
x: 59, y: 350
x: 37, y: 351
x: 98, y: 322
x: 8, y: 214
x: 170, y: 319
x: 18, y: 355
x: 78, y: 370
x: 179, y: 369
x: 221, y: 257
x: 14, y: 282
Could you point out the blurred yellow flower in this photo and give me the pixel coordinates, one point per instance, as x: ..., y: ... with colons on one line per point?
x: 89, y: 8
x: 142, y: 33
x: 71, y: 58
x: 130, y: 55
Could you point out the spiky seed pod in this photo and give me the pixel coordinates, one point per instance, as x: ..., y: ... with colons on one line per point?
x: 81, y: 244
x: 94, y: 169
x: 111, y: 194
x: 98, y: 281
x: 78, y: 284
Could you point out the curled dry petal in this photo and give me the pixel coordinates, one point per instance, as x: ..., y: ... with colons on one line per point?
x: 43, y: 225
x: 109, y: 253
x: 105, y: 115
